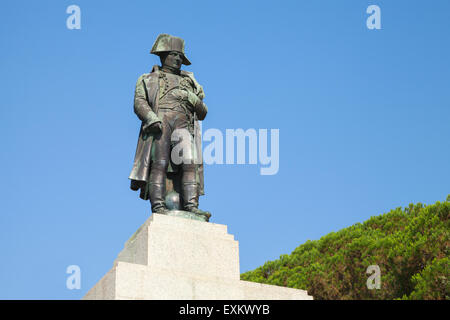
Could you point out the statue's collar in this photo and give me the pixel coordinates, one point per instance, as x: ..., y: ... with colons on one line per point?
x: 171, y: 71
x: 157, y: 68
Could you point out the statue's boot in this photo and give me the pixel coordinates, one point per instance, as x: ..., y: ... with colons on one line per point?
x: 157, y: 186
x: 190, y: 198
x: 157, y: 192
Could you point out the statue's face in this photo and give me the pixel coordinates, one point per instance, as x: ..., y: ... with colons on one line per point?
x: 173, y: 59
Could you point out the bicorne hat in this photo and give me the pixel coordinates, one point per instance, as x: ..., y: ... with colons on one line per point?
x: 166, y: 43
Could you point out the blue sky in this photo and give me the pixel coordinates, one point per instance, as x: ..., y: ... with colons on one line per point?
x: 363, y: 117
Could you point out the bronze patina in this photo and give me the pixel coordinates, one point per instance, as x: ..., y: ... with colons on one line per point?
x: 165, y: 100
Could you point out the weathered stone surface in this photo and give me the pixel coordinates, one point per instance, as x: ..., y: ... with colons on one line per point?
x: 176, y: 258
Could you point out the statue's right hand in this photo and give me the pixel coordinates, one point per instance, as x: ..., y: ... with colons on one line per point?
x: 155, y: 127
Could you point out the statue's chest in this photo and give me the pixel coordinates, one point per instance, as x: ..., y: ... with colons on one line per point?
x: 169, y: 82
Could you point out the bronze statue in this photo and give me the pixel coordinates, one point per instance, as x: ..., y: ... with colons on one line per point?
x: 166, y: 100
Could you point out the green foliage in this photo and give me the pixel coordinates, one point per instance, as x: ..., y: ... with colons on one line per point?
x: 410, y: 245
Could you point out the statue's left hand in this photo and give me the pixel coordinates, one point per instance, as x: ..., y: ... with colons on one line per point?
x: 192, y: 98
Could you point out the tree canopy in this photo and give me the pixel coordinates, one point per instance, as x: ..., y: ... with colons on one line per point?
x: 409, y: 245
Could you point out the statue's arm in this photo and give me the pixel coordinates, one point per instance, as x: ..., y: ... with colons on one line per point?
x: 201, y: 109
x: 199, y: 106
x: 141, y: 105
x: 196, y: 99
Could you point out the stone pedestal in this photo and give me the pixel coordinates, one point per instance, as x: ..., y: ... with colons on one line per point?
x: 176, y: 258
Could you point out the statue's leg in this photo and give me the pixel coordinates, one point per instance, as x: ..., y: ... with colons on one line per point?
x: 189, y: 185
x: 160, y: 162
x: 190, y: 190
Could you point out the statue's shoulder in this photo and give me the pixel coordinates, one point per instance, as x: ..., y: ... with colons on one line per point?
x: 153, y: 73
x: 146, y: 78
x: 189, y: 75
x: 198, y: 88
x: 143, y: 76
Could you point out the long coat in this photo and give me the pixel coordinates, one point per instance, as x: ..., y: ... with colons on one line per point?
x: 146, y: 99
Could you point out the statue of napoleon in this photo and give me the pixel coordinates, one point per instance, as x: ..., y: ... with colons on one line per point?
x: 169, y: 101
